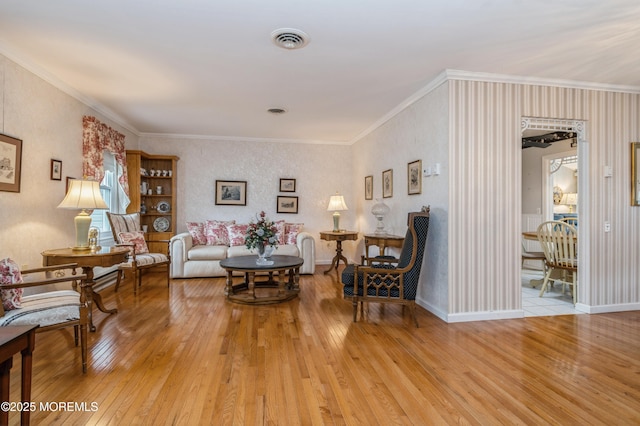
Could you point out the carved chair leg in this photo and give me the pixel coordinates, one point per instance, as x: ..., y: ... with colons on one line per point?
x: 75, y: 334
x: 83, y: 347
x: 355, y: 310
x: 118, y: 279
x: 412, y: 309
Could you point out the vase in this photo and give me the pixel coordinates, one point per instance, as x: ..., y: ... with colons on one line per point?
x: 262, y: 254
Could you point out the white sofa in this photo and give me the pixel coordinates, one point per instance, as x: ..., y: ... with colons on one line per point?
x: 192, y: 261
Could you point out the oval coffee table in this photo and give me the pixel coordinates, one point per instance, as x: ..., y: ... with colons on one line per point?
x: 262, y: 291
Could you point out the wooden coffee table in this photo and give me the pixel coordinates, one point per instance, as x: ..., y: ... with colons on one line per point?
x: 266, y: 290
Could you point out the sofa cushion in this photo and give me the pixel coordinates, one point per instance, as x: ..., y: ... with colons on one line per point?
x: 291, y: 232
x: 280, y: 231
x: 10, y: 274
x: 196, y: 230
x: 237, y: 233
x: 207, y: 253
x: 216, y: 232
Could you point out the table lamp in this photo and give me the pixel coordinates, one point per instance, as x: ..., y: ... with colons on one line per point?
x: 336, y: 205
x: 570, y: 199
x: 83, y: 195
x: 380, y: 210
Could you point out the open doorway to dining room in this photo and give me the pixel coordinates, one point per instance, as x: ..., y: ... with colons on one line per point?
x: 553, y: 188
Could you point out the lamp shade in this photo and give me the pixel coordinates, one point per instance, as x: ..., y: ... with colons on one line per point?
x: 570, y: 199
x: 83, y: 194
x: 337, y: 204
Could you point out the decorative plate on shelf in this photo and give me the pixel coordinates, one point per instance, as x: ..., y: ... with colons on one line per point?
x: 164, y: 207
x: 161, y: 224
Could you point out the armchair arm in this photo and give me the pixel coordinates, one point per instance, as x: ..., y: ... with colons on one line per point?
x: 29, y: 282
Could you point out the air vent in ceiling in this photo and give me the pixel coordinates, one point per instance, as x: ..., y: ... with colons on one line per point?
x: 289, y: 38
x: 277, y: 110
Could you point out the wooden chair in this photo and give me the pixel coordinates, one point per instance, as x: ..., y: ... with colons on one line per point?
x: 559, y: 241
x: 531, y: 255
x: 140, y: 259
x: 390, y: 280
x: 53, y: 309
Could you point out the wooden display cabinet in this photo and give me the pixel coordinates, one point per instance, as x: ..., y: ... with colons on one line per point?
x: 158, y: 204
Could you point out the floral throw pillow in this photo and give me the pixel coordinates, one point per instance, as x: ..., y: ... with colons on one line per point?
x: 237, y: 233
x: 291, y: 232
x: 196, y: 229
x: 10, y: 274
x: 216, y: 232
x: 281, y: 231
x: 137, y: 239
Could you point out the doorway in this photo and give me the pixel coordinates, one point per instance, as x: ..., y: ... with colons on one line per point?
x: 554, y: 166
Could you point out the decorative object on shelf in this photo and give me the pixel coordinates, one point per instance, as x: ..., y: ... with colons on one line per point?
x: 164, y: 207
x: 287, y: 185
x: 368, y: 187
x: 159, y: 190
x: 414, y: 177
x: 231, y: 192
x: 144, y: 187
x: 56, y: 169
x: 336, y: 205
x: 143, y: 208
x: 83, y: 195
x: 260, y: 234
x: 161, y: 224
x: 380, y: 210
x: 387, y: 183
x: 94, y: 239
x: 287, y: 204
x: 10, y: 163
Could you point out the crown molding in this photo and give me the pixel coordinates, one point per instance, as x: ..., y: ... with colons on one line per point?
x: 216, y: 138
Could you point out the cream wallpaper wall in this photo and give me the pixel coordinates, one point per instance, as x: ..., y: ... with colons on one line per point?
x: 319, y: 169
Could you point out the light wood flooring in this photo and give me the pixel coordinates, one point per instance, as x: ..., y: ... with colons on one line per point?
x: 184, y: 355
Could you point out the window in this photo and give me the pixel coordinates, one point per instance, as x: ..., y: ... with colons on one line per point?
x: 109, y: 191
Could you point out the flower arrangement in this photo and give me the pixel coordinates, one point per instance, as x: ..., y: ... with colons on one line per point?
x: 263, y: 232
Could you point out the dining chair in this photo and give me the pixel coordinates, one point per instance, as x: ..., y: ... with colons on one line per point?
x: 390, y: 280
x: 127, y: 231
x: 559, y: 242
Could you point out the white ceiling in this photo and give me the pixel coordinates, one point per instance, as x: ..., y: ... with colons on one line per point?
x: 207, y: 67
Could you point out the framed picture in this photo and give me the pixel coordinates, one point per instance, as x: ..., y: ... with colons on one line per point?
x: 231, y: 192
x: 414, y: 177
x: 387, y: 183
x: 287, y: 185
x: 10, y: 163
x: 56, y: 169
x: 368, y: 187
x: 287, y: 204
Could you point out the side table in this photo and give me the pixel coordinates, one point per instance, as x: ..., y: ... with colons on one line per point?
x: 338, y: 237
x: 382, y: 241
x: 87, y: 260
x: 14, y: 339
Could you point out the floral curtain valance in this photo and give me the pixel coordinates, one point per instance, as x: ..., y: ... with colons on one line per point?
x: 96, y: 138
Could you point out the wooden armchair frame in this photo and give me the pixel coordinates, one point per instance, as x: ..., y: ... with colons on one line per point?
x: 60, y: 272
x: 390, y: 280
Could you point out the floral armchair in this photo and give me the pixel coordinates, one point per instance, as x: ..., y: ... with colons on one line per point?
x: 389, y: 280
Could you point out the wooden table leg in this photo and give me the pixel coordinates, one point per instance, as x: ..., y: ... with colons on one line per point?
x: 336, y: 259
x: 228, y: 290
x: 5, y: 383
x: 27, y: 363
x: 95, y: 297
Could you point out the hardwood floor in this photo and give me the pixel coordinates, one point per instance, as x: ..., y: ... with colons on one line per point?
x: 184, y: 355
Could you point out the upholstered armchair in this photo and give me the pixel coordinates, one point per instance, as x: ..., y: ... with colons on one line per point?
x: 386, y: 279
x: 48, y: 306
x: 127, y: 231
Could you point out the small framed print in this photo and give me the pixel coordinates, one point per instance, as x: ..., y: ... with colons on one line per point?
x: 287, y: 204
x: 231, y: 192
x: 387, y: 183
x: 56, y: 170
x: 287, y: 185
x: 414, y: 177
x: 368, y: 187
x: 10, y: 163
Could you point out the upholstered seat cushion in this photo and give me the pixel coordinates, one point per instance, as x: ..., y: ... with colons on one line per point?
x: 146, y: 259
x: 207, y: 253
x: 45, y: 309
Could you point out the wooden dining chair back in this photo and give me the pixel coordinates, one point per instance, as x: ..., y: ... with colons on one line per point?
x: 392, y: 280
x: 127, y: 231
x: 559, y: 242
x: 58, y: 298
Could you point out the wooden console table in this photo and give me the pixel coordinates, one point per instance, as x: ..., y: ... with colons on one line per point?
x: 14, y: 339
x: 87, y: 260
x: 338, y: 237
x: 382, y: 241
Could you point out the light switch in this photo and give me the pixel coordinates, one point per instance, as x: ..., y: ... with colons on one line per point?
x: 608, y: 171
x: 436, y: 169
x: 427, y: 172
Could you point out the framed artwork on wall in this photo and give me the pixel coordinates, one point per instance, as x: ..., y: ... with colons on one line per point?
x: 287, y: 204
x: 414, y: 177
x: 56, y: 169
x: 368, y: 187
x: 231, y: 192
x: 10, y: 163
x: 387, y: 183
x: 287, y: 185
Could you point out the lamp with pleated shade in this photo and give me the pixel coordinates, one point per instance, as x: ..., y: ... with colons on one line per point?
x: 83, y: 195
x: 336, y: 205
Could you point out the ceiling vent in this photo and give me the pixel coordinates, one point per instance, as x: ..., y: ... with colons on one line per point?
x: 289, y: 38
x: 277, y: 111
